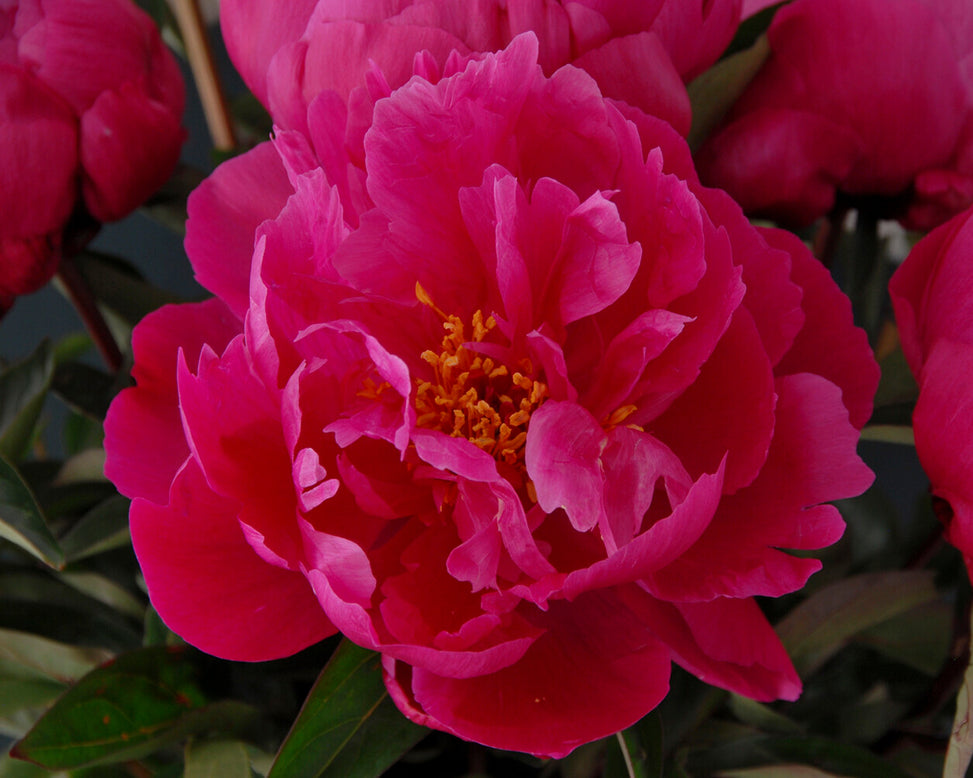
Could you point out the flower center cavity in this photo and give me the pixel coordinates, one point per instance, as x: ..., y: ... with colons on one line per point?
x: 471, y: 395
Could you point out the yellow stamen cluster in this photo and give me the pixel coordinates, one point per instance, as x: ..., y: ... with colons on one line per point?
x: 471, y: 396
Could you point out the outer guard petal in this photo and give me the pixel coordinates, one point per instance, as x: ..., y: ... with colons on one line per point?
x: 254, y: 30
x: 224, y: 213
x: 208, y: 584
x: 528, y: 706
x: 943, y: 423
x: 829, y: 344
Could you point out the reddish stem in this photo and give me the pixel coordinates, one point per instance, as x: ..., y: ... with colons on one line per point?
x: 84, y: 302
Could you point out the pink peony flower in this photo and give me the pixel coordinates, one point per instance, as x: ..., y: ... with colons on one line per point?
x: 638, y: 52
x: 90, y: 102
x: 932, y: 293
x: 860, y: 99
x: 541, y: 419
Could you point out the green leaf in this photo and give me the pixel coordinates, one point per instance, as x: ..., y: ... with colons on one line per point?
x: 23, y: 388
x: 21, y: 520
x: 889, y: 433
x: 762, y: 716
x: 833, y: 756
x: 37, y: 602
x: 103, y: 528
x: 778, y: 771
x: 349, y: 727
x: 125, y: 709
x: 23, y: 700
x: 217, y: 759
x: 85, y: 388
x: 25, y: 655
x: 920, y: 638
x: 84, y: 467
x: 106, y: 591
x: 14, y: 768
x: 959, y: 753
x: 817, y: 628
x: 714, y: 92
x: 736, y: 751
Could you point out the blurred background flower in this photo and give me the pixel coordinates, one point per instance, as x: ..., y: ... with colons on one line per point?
x: 92, y: 100
x: 862, y: 102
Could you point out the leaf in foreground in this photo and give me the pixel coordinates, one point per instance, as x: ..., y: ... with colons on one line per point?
x: 349, y: 726
x: 217, y: 759
x: 125, y: 709
x: 960, y: 749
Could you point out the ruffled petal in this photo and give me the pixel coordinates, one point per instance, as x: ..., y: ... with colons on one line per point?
x: 811, y: 460
x: 144, y: 441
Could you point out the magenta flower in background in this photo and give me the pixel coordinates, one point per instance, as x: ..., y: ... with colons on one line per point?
x: 533, y: 414
x: 90, y: 109
x: 932, y: 293
x: 639, y: 52
x: 859, y: 99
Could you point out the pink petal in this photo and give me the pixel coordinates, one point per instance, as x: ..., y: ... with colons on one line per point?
x: 345, y: 563
x: 781, y: 162
x: 456, y: 455
x: 563, y: 458
x: 595, y: 263
x: 497, y: 502
x: 402, y: 629
x: 235, y: 434
x: 725, y: 642
x: 224, y: 213
x: 210, y: 587
x: 417, y: 147
x: 563, y: 134
x: 638, y: 70
x: 254, y: 30
x: 925, y: 290
x: 130, y: 144
x: 381, y: 483
x: 829, y: 344
x: 391, y: 47
x: 659, y: 545
x: 696, y: 34
x: 943, y: 422
x: 37, y: 184
x: 774, y: 290
x: 811, y: 461
x: 663, y: 213
x: 627, y: 357
x: 144, y: 441
x: 728, y: 411
x: 82, y: 48
x: 529, y: 706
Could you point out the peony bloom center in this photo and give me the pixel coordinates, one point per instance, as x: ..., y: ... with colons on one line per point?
x: 471, y: 395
